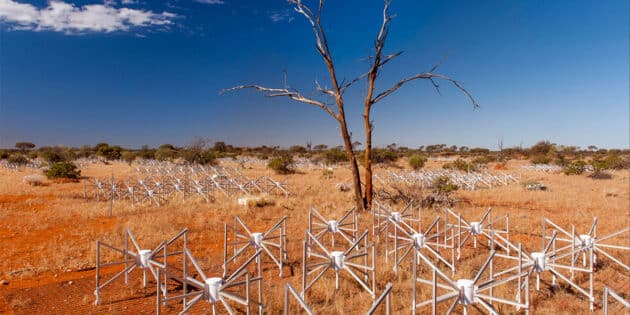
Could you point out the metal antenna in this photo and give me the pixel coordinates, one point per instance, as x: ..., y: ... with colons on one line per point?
x: 239, y: 238
x: 346, y: 227
x: 381, y: 218
x: 405, y: 239
x: 217, y: 291
x: 321, y: 259
x: 466, y: 292
x: 484, y: 227
x: 144, y: 259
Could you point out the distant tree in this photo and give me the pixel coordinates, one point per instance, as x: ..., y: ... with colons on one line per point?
x: 24, y: 146
x: 356, y: 144
x: 110, y: 153
x: 297, y: 149
x: 320, y: 147
x: 129, y: 156
x: 220, y: 146
x: 146, y: 153
x: 165, y: 152
x: 541, y: 148
x: 417, y: 161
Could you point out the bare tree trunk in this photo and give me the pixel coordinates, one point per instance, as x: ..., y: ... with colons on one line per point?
x: 356, y: 177
x: 369, y: 191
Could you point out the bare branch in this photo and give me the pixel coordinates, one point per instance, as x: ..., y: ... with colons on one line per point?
x: 290, y: 93
x: 428, y: 76
x: 325, y: 91
x: 388, y: 58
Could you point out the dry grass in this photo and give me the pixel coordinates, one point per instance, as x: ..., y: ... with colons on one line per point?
x: 48, y: 230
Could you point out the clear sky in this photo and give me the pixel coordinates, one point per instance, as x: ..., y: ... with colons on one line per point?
x: 134, y: 72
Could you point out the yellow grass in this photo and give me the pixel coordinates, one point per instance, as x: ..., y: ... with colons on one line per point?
x: 50, y: 230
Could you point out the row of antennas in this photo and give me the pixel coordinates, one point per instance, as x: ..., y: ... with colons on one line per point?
x: 440, y: 245
x: 336, y: 248
x: 172, y: 262
x: 158, y: 191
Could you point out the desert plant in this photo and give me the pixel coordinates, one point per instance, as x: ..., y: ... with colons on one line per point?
x: 52, y: 156
x: 575, y: 167
x: 129, y: 156
x: 334, y: 156
x: 541, y: 159
x: 110, y: 153
x: 461, y: 165
x: 281, y: 164
x: 444, y: 185
x: 385, y: 156
x: 24, y: 146
x: 417, y: 161
x: 63, y: 170
x: 18, y: 159
x: 4, y: 154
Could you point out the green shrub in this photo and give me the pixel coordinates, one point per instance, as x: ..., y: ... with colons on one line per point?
x: 540, y: 159
x: 110, y: 153
x: 334, y: 156
x: 3, y: 154
x: 386, y: 156
x: 63, y: 170
x: 461, y: 165
x: 32, y: 155
x: 417, y: 162
x: 575, y: 167
x: 282, y: 165
x: 129, y: 156
x: 165, y: 153
x: 483, y: 160
x: 17, y: 159
x: 444, y: 185
x: 52, y: 156
x: 614, y: 162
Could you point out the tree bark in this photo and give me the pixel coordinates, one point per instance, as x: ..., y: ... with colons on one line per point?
x: 354, y: 167
x: 367, y: 201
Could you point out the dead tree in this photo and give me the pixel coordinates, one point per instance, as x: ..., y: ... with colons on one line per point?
x: 377, y: 62
x: 335, y: 93
x: 338, y: 88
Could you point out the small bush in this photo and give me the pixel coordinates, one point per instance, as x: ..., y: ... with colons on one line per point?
x: 461, y: 165
x: 18, y: 159
x: 3, y: 154
x: 417, y: 161
x: 32, y: 155
x: 384, y: 156
x: 282, y: 165
x: 483, y: 160
x: 129, y: 156
x: 444, y: 185
x: 610, y: 162
x: 334, y: 156
x: 34, y: 179
x: 52, y: 156
x: 575, y: 167
x: 63, y: 170
x: 540, y: 159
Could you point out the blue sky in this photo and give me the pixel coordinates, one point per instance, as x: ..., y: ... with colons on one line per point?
x: 149, y: 72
